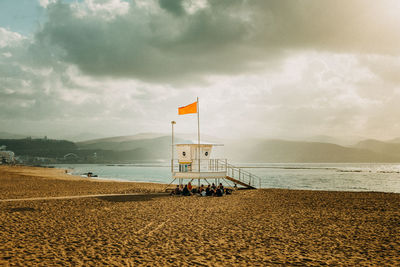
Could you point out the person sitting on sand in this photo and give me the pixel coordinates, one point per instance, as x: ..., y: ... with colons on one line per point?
x: 186, y: 191
x: 190, y: 187
x: 219, y: 192
x: 194, y: 190
x: 228, y: 191
x: 203, y: 193
x: 201, y: 189
x: 221, y: 187
x: 208, y: 191
x: 213, y: 187
x: 176, y: 191
x: 214, y: 190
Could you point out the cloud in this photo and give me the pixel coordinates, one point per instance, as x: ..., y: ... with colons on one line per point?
x: 267, y: 68
x: 103, y: 9
x: 385, y: 67
x: 336, y: 26
x: 149, y: 45
x: 45, y: 3
x: 41, y: 94
x: 162, y: 42
x: 9, y: 38
x: 173, y: 6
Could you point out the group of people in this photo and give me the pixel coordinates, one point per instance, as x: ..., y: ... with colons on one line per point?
x: 210, y: 190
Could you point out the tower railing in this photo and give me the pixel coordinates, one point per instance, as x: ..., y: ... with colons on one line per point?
x: 206, y: 165
x: 242, y: 175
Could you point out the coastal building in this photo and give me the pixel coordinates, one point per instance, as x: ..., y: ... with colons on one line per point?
x: 7, y: 157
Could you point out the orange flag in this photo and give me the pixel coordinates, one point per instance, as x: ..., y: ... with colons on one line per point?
x: 191, y: 108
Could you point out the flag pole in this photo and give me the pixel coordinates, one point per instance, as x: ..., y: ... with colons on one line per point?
x: 198, y: 130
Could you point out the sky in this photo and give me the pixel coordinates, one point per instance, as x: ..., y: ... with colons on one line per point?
x: 261, y: 68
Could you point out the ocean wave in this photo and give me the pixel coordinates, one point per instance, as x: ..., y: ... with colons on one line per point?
x: 370, y: 171
x: 287, y: 168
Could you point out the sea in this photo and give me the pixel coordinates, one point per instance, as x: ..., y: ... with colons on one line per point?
x: 362, y: 177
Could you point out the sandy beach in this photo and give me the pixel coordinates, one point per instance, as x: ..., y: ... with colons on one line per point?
x: 26, y: 182
x: 250, y: 227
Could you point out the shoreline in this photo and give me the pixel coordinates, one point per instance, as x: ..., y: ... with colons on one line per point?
x: 59, y: 173
x: 25, y: 181
x: 371, y: 179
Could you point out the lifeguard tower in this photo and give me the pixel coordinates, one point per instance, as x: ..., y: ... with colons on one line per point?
x: 194, y: 162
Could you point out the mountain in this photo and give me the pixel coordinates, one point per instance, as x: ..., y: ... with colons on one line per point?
x: 123, y: 143
x: 121, y: 149
x: 6, y: 135
x: 154, y: 147
x: 82, y: 137
x: 338, y: 140
x: 38, y: 147
x: 148, y: 147
x: 394, y: 140
x: 296, y: 151
x: 144, y: 146
x: 380, y: 147
x: 145, y: 136
x: 119, y: 139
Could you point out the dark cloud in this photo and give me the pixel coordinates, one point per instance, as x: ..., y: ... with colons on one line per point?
x: 223, y: 37
x: 173, y: 6
x: 152, y: 47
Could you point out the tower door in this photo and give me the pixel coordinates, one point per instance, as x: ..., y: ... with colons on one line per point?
x: 185, y: 167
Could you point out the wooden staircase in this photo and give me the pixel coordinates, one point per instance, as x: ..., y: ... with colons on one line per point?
x: 240, y: 183
x: 241, y: 177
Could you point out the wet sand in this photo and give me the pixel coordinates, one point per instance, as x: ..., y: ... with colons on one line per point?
x: 258, y: 227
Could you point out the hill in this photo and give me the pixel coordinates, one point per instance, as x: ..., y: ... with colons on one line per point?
x: 119, y: 139
x: 7, y: 135
x: 188, y: 138
x: 338, y: 140
x: 394, y: 140
x: 307, y: 152
x: 380, y: 147
x: 152, y: 147
x: 39, y: 147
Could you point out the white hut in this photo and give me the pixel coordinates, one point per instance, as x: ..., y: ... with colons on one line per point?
x: 195, y: 165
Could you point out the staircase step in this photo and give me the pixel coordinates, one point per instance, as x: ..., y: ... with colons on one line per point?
x: 240, y: 182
